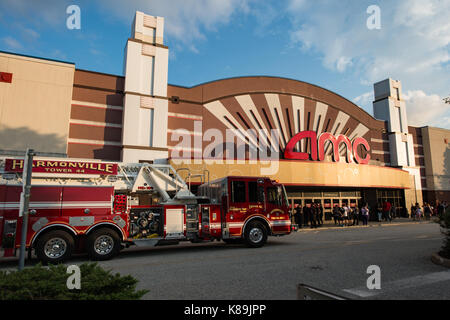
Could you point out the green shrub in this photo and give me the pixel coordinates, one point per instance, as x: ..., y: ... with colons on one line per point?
x: 444, y: 221
x: 49, y: 283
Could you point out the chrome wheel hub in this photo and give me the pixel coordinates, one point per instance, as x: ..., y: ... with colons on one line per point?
x: 104, y: 244
x: 256, y: 235
x: 55, y: 248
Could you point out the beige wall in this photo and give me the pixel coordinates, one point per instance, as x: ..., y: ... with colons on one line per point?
x: 436, y: 145
x: 310, y: 173
x: 35, y: 107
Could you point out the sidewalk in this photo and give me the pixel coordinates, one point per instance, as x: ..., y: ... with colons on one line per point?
x: 328, y: 225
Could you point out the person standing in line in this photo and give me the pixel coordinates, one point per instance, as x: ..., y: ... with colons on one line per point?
x: 313, y: 216
x: 341, y: 216
x: 413, y: 212
x: 418, y: 212
x: 306, y: 215
x: 355, y: 213
x: 379, y: 211
x: 336, y: 214
x: 427, y: 211
x: 320, y: 214
x: 386, y: 211
x: 365, y: 214
x: 434, y: 208
x: 350, y: 216
x: 345, y: 215
x: 393, y: 212
x: 298, y: 216
x: 441, y: 209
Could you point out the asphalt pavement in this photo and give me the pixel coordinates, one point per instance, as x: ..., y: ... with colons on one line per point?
x: 331, y: 259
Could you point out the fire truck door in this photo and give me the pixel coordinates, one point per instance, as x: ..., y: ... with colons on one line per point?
x: 211, y: 221
x: 204, y: 211
x: 215, y: 221
x: 174, y: 222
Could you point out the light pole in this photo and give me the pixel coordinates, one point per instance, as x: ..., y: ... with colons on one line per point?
x: 24, y: 202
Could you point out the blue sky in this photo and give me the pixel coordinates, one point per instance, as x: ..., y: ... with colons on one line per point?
x: 324, y: 42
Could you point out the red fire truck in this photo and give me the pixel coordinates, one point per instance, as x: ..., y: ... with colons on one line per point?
x: 100, y: 208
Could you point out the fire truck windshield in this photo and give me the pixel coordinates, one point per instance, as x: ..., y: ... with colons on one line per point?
x: 277, y: 195
x: 285, y: 198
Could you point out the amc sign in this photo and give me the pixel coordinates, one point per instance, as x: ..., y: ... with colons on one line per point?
x: 318, y: 147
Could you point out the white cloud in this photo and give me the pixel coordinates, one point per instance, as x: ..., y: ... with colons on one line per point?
x: 364, y: 100
x: 42, y: 12
x: 426, y: 110
x: 11, y: 43
x: 412, y: 44
x: 185, y: 20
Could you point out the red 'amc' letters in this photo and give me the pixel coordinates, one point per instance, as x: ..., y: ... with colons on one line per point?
x: 318, y: 147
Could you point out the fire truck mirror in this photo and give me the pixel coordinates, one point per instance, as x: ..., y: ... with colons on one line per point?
x: 87, y: 211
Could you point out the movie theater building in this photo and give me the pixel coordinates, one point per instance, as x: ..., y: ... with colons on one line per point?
x: 320, y: 145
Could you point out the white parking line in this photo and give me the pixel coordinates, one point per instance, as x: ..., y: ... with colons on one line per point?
x: 401, y: 284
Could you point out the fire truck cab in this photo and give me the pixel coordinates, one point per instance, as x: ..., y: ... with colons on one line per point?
x: 83, y: 208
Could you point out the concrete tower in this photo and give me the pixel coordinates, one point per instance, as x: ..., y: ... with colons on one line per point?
x: 390, y: 106
x: 144, y: 136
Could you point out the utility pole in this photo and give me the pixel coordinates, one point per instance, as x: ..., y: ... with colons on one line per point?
x: 24, y: 203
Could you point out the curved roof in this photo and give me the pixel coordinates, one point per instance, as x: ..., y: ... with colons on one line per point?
x: 235, y: 86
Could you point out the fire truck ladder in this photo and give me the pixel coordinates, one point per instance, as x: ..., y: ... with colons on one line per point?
x: 204, y: 177
x: 161, y: 177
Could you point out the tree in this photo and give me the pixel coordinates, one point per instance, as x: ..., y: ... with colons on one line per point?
x: 447, y: 100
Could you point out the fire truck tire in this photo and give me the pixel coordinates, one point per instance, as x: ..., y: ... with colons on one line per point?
x: 255, y: 234
x: 54, y: 247
x: 103, y: 244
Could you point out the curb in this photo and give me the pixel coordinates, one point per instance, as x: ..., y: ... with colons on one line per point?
x: 368, y: 226
x: 437, y: 259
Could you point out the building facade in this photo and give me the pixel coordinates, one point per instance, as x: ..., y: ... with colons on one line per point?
x: 321, y: 146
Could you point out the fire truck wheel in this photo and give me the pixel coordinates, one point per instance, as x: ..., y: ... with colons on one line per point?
x: 255, y: 234
x: 54, y: 246
x: 103, y: 244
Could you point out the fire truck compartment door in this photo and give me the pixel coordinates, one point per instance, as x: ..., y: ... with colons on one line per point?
x: 83, y: 201
x: 174, y: 222
x: 2, y: 206
x: 45, y: 201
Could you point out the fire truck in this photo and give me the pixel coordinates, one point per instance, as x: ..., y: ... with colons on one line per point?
x: 99, y: 208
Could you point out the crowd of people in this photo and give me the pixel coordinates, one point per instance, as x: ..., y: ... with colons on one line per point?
x: 312, y: 215
x: 428, y: 210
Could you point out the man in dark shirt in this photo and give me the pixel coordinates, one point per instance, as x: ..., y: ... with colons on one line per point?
x: 313, y: 215
x: 298, y: 216
x: 306, y: 215
x: 320, y: 214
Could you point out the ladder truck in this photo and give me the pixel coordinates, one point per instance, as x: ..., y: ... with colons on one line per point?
x: 99, y: 208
